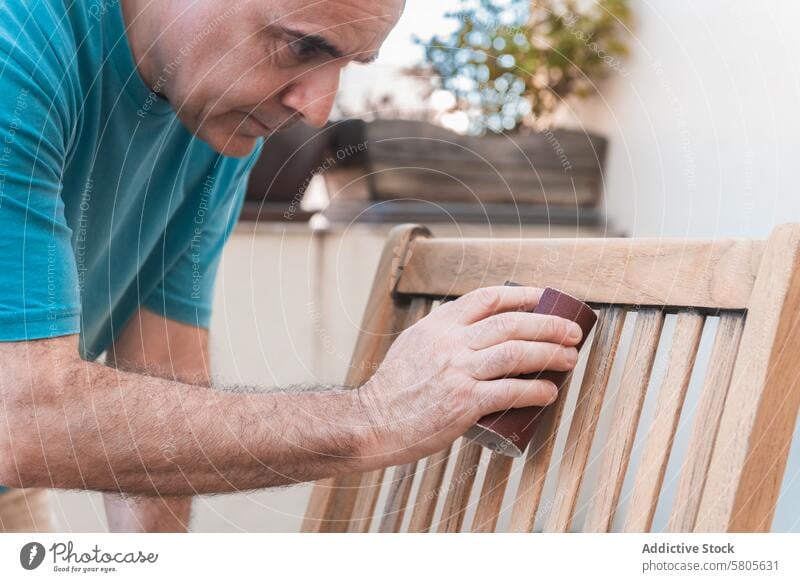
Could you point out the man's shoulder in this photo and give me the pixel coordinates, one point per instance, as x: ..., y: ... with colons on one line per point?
x: 39, y: 38
x: 55, y: 22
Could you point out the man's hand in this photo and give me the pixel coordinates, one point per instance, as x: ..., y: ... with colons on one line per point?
x: 457, y: 364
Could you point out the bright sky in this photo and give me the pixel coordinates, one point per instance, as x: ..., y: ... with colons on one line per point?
x: 423, y: 18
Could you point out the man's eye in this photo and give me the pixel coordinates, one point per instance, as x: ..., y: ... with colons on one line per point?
x: 302, y: 49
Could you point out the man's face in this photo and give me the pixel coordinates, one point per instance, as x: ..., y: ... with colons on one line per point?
x: 250, y: 67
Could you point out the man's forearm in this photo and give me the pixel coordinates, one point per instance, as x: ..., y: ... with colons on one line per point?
x: 110, y: 430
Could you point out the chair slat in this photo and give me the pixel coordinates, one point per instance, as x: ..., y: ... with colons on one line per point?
x: 707, y: 417
x: 700, y: 273
x: 655, y: 456
x: 584, y: 421
x: 429, y: 489
x: 371, y: 483
x: 628, y: 408
x: 537, y: 461
x: 460, y: 488
x: 366, y: 494
x: 397, y: 498
x: 492, y: 493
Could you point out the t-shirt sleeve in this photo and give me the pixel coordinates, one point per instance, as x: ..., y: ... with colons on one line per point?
x: 186, y: 292
x: 39, y: 295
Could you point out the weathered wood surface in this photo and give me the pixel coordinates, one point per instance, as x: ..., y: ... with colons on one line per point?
x: 696, y: 273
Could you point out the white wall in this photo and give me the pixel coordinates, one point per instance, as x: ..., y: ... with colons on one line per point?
x: 704, y: 119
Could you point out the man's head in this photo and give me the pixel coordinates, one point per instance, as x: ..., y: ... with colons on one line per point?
x: 241, y: 69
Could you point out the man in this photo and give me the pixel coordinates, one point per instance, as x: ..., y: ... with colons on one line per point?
x: 129, y: 129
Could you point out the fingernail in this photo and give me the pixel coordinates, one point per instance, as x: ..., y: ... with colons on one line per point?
x: 572, y: 356
x: 575, y: 332
x: 553, y: 395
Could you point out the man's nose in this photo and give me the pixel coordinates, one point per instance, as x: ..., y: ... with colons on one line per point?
x: 313, y: 95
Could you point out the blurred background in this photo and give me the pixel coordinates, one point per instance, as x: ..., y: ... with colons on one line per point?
x: 502, y: 118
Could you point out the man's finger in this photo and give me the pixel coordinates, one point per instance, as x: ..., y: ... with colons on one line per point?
x: 482, y: 303
x: 516, y: 357
x: 496, y: 395
x: 503, y: 327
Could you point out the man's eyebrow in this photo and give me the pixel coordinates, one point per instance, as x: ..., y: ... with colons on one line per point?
x: 322, y: 44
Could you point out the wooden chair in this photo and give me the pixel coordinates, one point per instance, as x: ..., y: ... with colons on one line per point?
x: 731, y: 472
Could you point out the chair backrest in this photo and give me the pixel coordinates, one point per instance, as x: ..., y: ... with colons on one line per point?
x: 742, y: 424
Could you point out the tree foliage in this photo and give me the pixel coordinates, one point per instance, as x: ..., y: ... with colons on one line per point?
x: 510, y: 63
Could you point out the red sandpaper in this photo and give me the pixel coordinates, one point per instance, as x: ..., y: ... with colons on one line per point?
x: 509, y: 432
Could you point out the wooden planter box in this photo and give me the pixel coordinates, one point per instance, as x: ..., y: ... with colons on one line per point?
x: 395, y: 171
x: 412, y: 170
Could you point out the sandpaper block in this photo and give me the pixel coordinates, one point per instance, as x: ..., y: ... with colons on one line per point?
x: 508, y: 432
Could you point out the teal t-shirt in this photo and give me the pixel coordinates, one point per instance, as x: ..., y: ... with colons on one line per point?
x: 106, y: 201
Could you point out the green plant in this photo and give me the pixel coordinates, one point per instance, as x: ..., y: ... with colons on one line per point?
x: 511, y: 63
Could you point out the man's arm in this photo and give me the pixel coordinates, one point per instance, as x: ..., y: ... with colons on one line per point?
x: 156, y: 346
x: 67, y: 423
x: 72, y: 424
